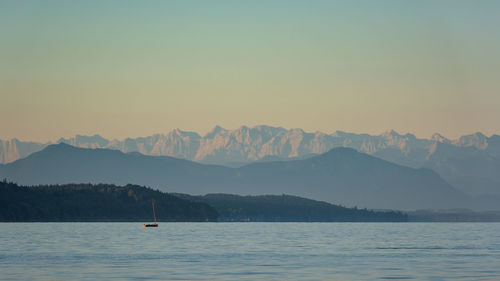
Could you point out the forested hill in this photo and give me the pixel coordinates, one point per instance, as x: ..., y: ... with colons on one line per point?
x: 286, y: 208
x: 106, y: 202
x: 101, y: 202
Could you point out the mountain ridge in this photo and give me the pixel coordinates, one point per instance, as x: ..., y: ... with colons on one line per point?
x: 193, y: 146
x: 262, y: 143
x: 340, y: 176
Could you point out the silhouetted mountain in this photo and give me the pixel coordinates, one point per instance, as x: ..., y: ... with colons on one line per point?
x: 341, y: 176
x: 345, y: 176
x: 470, y: 169
x: 63, y: 163
x: 286, y: 208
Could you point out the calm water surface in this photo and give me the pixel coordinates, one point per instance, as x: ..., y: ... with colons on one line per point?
x: 250, y: 251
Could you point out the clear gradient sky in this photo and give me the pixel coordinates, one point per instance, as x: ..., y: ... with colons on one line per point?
x: 134, y: 68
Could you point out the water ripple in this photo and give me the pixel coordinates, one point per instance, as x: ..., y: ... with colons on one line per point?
x: 264, y: 251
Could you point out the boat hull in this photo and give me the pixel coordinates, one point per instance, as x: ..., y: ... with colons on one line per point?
x: 150, y: 225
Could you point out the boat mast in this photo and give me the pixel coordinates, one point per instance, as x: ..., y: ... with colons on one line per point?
x: 154, y: 215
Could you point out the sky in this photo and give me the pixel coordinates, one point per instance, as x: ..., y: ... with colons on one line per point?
x: 135, y: 68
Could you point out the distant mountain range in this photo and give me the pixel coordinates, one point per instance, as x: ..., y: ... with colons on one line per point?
x: 341, y: 175
x: 470, y: 163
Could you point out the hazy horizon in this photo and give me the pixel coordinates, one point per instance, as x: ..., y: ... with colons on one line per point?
x: 126, y: 68
x: 55, y: 139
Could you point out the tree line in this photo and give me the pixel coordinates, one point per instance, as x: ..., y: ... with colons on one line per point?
x: 99, y: 202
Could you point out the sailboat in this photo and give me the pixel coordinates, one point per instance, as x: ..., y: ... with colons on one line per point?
x: 154, y: 215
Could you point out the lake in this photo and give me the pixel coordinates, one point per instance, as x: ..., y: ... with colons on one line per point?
x: 250, y: 251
